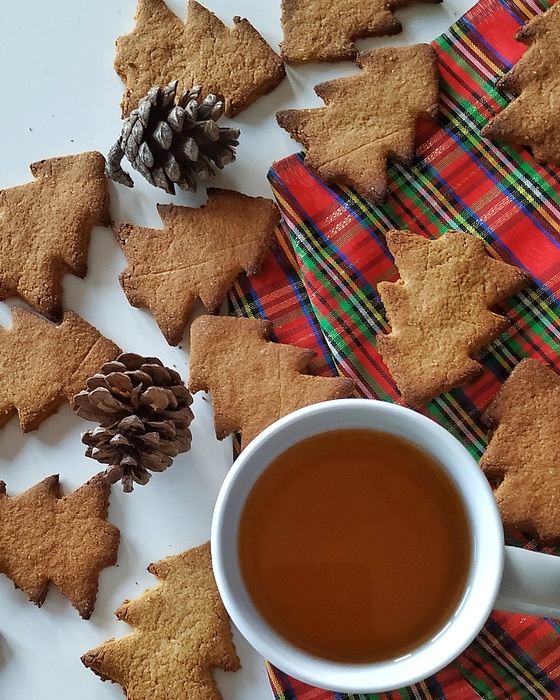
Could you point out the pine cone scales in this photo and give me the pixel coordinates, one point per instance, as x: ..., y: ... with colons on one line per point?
x: 173, y: 142
x: 143, y: 409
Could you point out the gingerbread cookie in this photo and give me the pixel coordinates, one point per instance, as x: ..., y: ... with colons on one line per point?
x: 67, y: 540
x: 198, y: 254
x: 523, y: 455
x: 181, y: 633
x: 253, y: 381
x: 439, y: 311
x: 42, y: 364
x: 368, y: 118
x: 318, y: 31
x: 235, y: 63
x: 531, y: 118
x: 45, y: 228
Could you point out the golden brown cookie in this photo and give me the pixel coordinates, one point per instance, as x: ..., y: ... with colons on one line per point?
x: 64, y: 540
x: 42, y: 364
x: 45, y: 228
x: 523, y: 455
x: 253, y: 381
x: 369, y: 118
x: 439, y: 311
x: 315, y: 30
x: 235, y: 63
x: 531, y: 118
x: 181, y: 633
x: 198, y: 254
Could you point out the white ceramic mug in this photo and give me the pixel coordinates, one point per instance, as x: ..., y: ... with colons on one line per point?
x: 506, y: 578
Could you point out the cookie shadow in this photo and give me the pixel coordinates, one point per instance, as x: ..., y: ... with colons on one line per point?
x: 5, y: 651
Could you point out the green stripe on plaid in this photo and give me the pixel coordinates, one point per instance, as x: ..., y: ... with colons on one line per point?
x: 497, y: 666
x: 461, y: 419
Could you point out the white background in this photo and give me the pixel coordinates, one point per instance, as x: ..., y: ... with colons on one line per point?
x: 60, y: 95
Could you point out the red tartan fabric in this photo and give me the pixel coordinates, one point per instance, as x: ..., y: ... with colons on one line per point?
x: 318, y: 285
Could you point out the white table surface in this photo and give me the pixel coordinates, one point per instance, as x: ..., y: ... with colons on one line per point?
x: 60, y: 95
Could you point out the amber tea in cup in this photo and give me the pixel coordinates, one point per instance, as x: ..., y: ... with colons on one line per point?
x: 371, y: 553
x: 354, y: 545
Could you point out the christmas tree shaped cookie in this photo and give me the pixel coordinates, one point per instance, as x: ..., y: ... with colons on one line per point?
x: 325, y: 31
x: 523, y: 455
x: 439, y: 311
x: 368, y: 118
x: 253, y: 381
x: 198, y: 254
x: 64, y: 540
x: 531, y: 118
x: 42, y: 364
x: 235, y: 63
x: 181, y: 633
x: 45, y: 228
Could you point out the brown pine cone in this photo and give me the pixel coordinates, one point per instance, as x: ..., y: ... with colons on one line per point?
x: 143, y: 409
x: 173, y: 141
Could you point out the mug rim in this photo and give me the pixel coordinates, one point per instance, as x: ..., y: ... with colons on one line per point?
x: 487, y: 545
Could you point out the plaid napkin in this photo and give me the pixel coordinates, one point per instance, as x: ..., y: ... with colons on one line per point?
x: 318, y: 286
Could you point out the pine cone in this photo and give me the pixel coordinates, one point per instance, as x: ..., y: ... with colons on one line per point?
x: 144, y: 415
x: 173, y: 143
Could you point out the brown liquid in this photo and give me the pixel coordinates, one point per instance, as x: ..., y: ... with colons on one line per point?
x: 354, y: 546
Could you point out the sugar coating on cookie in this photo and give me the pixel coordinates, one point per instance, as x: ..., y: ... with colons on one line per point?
x: 523, y: 454
x: 45, y: 228
x: 315, y: 30
x: 197, y: 255
x: 252, y: 380
x: 235, y: 63
x: 43, y: 364
x: 369, y: 118
x: 181, y: 633
x: 439, y: 310
x: 531, y: 118
x: 66, y: 540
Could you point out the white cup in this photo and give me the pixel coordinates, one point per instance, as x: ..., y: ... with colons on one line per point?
x: 501, y: 577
